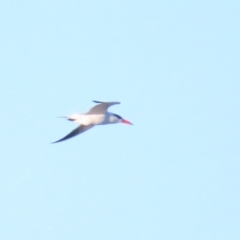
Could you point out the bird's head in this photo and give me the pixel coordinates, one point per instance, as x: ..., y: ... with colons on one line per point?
x: 118, y: 119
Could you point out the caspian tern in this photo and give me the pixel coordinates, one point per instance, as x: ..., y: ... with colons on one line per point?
x: 98, y: 115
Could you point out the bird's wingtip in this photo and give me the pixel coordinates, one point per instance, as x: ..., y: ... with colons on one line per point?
x: 105, y: 102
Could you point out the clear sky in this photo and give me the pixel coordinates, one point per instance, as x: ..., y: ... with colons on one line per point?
x: 174, y: 66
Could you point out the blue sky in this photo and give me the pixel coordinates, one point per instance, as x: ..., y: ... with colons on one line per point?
x: 174, y: 66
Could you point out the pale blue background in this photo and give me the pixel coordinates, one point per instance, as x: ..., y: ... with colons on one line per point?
x: 174, y: 66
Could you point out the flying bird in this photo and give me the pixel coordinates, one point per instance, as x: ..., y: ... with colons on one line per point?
x: 97, y: 115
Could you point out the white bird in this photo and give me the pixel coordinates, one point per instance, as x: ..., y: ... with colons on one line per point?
x: 98, y: 115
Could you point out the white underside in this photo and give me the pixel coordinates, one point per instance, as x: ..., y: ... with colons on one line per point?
x: 98, y: 119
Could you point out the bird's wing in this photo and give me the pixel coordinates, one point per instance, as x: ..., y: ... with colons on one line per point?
x: 75, y: 132
x: 101, y: 108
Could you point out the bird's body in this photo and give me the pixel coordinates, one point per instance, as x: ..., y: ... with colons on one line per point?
x: 95, y: 119
x: 98, y: 115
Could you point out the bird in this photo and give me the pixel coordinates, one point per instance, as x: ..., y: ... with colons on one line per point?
x: 97, y: 115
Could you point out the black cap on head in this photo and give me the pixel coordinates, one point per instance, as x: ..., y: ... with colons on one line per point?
x: 117, y: 116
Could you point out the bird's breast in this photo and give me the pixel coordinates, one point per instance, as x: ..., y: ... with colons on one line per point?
x: 91, y: 119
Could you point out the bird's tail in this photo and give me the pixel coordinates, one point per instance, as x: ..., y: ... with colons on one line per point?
x: 67, y: 118
x: 62, y: 117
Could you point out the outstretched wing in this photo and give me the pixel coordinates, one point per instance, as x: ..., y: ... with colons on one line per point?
x: 101, y: 108
x: 75, y: 132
